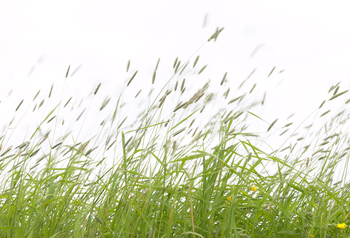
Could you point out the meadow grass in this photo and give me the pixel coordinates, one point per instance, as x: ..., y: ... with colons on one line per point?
x: 172, y: 176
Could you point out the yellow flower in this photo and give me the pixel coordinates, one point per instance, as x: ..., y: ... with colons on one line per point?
x: 341, y: 226
x: 229, y: 199
x: 311, y: 236
x: 253, y: 188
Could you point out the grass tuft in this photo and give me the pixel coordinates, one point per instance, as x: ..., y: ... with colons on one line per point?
x: 136, y: 180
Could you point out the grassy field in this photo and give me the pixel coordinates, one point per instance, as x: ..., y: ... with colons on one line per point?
x: 171, y: 178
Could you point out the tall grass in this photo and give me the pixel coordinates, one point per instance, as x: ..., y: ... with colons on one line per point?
x: 175, y: 172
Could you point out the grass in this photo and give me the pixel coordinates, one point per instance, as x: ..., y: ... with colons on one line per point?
x: 176, y: 173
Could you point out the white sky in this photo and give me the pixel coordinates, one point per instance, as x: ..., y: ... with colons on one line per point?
x: 307, y: 39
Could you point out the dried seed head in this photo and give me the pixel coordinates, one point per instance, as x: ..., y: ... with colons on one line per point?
x: 162, y: 101
x: 154, y: 77
x: 208, y: 98
x: 157, y: 65
x: 194, y: 132
x: 127, y: 66
x: 238, y: 115
x: 325, y: 113
x: 150, y: 92
x: 50, y: 120
x: 262, y: 102
x: 90, y: 151
x: 50, y: 90
x: 184, y: 68
x: 183, y: 91
x: 19, y: 105
x: 196, y: 60
x: 191, y: 123
x: 223, y: 79
x: 183, y: 84
x: 233, y: 100
x: 215, y: 35
x: 12, y: 121
x: 36, y: 95
x: 104, y: 104
x: 179, y: 131
x: 66, y: 102
x: 226, y: 93
x: 58, y: 144
x: 80, y: 115
x: 121, y: 123
x: 174, y: 65
x: 174, y: 146
x: 177, y: 66
x: 251, y: 74
x: 336, y: 90
x: 307, y: 127
x: 179, y: 106
x: 166, y: 123
x: 290, y: 116
x: 67, y: 71
x: 288, y: 124
x: 337, y: 95
x: 138, y: 93
x: 271, y: 71
x: 111, y: 144
x: 228, y: 115
x: 252, y: 88
x: 98, y: 87
x: 128, y: 141
x: 202, y: 69
x: 288, y: 147
x: 82, y: 147
x: 132, y: 78
x: 242, y: 83
x: 199, y: 97
x: 206, y: 86
x: 273, y: 123
x: 196, y: 137
x: 322, y: 103
x: 284, y: 132
x: 6, y: 151
x: 24, y: 144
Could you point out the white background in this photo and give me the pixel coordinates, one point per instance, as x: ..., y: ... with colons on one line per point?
x: 309, y: 40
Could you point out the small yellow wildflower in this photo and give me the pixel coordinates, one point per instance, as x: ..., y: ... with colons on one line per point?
x: 311, y: 236
x: 341, y: 226
x: 229, y: 199
x: 253, y: 188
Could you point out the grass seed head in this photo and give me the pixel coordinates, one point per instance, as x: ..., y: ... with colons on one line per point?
x: 195, y: 61
x: 19, y: 105
x: 36, y: 95
x: 98, y: 87
x: 50, y: 90
x: 67, y: 71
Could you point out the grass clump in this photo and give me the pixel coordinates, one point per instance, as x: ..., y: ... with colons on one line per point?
x: 175, y: 171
